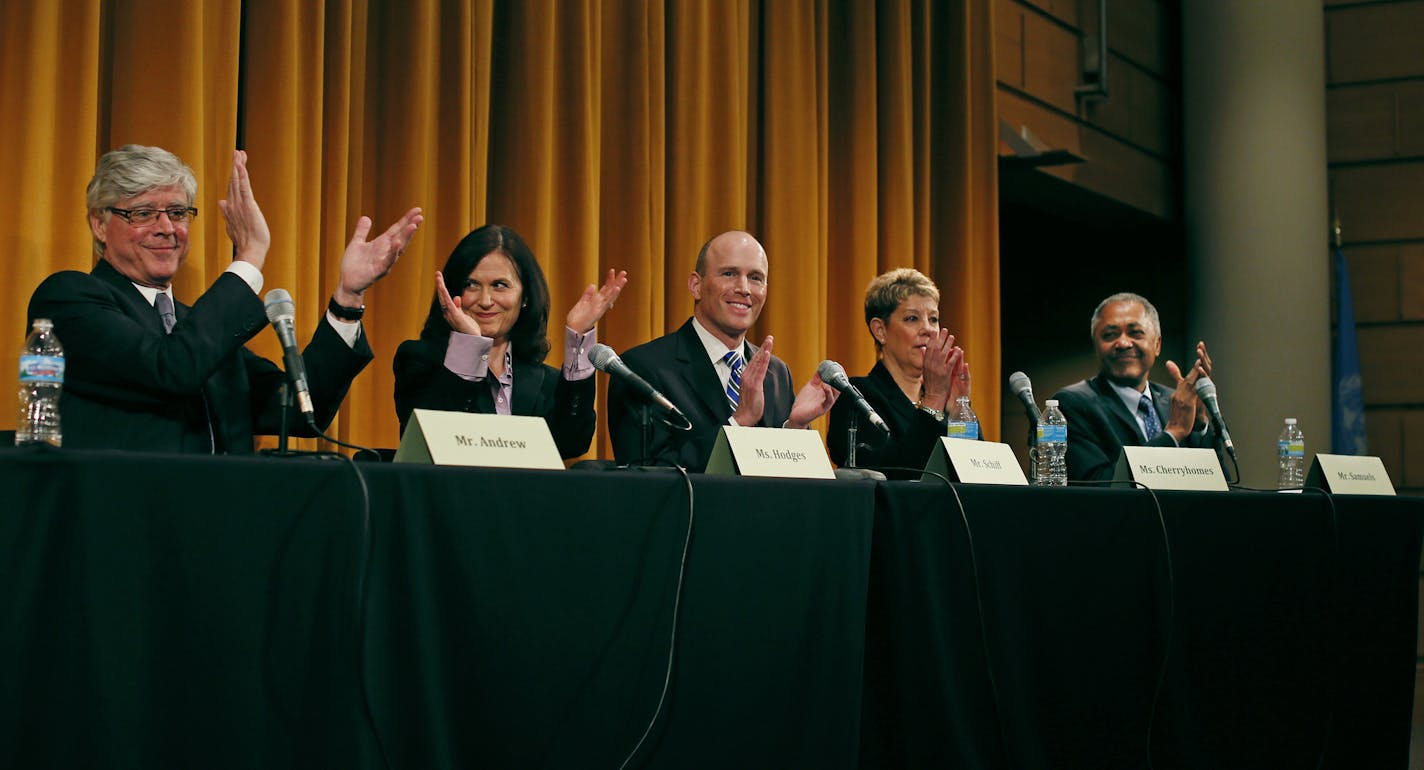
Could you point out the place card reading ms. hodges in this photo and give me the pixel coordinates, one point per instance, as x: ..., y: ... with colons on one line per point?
x: 774, y: 452
x: 487, y: 440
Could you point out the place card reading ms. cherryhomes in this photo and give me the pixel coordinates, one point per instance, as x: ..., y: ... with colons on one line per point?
x: 775, y: 452
x: 489, y: 440
x: 975, y: 462
x: 1349, y: 475
x: 1171, y: 468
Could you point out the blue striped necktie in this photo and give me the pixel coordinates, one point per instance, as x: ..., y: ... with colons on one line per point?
x: 734, y: 383
x: 1151, y: 425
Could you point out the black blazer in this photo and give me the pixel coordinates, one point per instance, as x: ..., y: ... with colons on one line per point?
x: 1100, y: 425
x: 913, y: 433
x: 128, y: 385
x: 677, y: 365
x: 423, y: 382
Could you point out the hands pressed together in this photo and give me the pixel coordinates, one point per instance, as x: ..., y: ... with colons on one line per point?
x: 946, y: 373
x: 1187, y: 413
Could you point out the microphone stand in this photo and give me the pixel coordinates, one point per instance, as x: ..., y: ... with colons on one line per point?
x: 288, y: 403
x: 851, y: 438
x: 1032, y: 446
x: 645, y: 438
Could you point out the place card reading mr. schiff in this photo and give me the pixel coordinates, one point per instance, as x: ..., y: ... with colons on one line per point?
x: 488, y: 440
x: 1349, y: 475
x: 976, y: 462
x: 1171, y: 468
x: 775, y: 452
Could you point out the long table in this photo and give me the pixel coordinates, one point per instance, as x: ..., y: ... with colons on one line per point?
x: 166, y: 611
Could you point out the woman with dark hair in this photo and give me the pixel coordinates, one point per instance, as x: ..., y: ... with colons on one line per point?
x: 483, y: 346
x: 920, y: 375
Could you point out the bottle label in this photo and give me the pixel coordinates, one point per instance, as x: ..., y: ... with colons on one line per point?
x: 961, y: 429
x: 1291, y: 448
x: 42, y: 369
x: 1056, y: 433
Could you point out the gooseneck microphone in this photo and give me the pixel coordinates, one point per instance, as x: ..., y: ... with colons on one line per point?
x: 1206, y: 391
x: 605, y: 360
x: 1020, y: 386
x: 834, y: 374
x: 282, y: 312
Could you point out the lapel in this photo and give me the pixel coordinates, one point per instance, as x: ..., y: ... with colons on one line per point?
x: 528, y: 385
x: 698, y: 373
x: 891, y: 394
x: 132, y: 300
x: 1114, y: 405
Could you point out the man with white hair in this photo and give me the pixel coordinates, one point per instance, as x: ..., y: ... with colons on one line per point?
x: 144, y: 372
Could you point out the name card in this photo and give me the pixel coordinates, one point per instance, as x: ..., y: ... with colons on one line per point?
x: 1171, y: 468
x: 773, y: 452
x: 976, y: 462
x: 487, y: 440
x: 1349, y: 475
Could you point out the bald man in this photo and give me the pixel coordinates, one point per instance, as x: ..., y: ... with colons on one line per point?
x: 709, y: 369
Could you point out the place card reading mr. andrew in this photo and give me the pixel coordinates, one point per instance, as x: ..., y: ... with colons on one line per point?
x: 488, y: 440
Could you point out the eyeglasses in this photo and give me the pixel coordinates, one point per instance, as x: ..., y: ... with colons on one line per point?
x: 177, y: 215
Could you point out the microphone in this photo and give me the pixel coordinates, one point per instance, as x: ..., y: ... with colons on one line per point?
x: 282, y: 312
x: 833, y: 374
x: 1206, y: 391
x: 605, y: 360
x: 1020, y: 386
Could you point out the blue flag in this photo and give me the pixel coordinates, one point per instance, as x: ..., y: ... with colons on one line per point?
x: 1347, y: 410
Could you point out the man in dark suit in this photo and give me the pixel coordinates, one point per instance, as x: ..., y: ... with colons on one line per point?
x: 1120, y: 406
x: 708, y: 368
x: 146, y: 373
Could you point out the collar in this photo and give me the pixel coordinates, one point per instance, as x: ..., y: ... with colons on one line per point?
x: 1131, y: 397
x: 714, y: 347
x: 151, y: 294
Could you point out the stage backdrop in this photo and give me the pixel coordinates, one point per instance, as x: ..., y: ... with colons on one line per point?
x: 850, y: 137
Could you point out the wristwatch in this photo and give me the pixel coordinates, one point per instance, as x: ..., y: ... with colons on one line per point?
x: 345, y: 313
x: 938, y: 414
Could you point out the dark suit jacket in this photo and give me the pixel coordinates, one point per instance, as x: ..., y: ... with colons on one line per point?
x: 913, y: 433
x: 677, y: 365
x: 1100, y: 425
x: 128, y: 385
x: 423, y: 382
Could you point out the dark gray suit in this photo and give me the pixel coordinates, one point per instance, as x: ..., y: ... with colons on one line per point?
x: 128, y: 385
x: 1100, y: 425
x: 677, y: 365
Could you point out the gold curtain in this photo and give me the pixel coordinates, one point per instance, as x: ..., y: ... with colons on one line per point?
x: 850, y: 137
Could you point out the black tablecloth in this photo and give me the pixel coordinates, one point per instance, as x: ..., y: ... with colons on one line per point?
x: 163, y: 611
x: 201, y: 612
x: 1288, y: 629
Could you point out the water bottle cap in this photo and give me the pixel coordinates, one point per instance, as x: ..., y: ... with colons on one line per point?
x: 1051, y: 402
x: 1290, y: 421
x: 43, y: 324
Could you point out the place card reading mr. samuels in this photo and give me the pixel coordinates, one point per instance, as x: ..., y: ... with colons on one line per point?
x: 488, y: 440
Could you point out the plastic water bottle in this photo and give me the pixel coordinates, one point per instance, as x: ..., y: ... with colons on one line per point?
x: 963, y: 423
x: 41, y: 377
x: 1291, y: 449
x: 1052, y: 447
